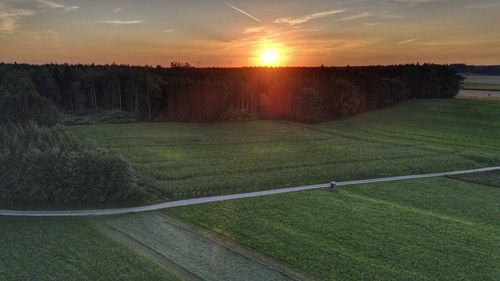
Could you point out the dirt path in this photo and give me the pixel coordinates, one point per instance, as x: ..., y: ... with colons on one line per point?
x: 196, y: 201
x: 192, y: 252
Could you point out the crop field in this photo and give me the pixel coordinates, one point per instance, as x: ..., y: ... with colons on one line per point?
x: 67, y: 249
x: 431, y: 229
x: 179, y: 160
x: 484, y: 79
x: 482, y: 82
x: 481, y: 86
x: 479, y: 94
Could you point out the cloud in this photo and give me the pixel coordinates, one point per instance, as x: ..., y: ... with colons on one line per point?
x: 250, y: 30
x: 241, y: 11
x: 47, y: 4
x: 408, y: 41
x: 117, y: 10
x: 168, y: 30
x: 306, y: 18
x: 122, y: 22
x: 482, y: 6
x: 9, y: 19
x: 54, y: 35
x: 357, y: 16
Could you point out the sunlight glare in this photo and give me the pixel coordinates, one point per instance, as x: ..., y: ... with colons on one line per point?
x: 270, y: 57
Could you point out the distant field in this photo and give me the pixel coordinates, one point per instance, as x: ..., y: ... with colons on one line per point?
x: 481, y: 82
x: 479, y: 94
x: 432, y: 229
x: 484, y: 79
x: 178, y: 160
x: 481, y: 86
x: 67, y: 249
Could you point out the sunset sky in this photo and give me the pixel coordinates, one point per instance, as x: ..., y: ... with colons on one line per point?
x: 238, y: 32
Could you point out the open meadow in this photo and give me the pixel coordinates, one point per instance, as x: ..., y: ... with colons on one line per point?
x: 182, y: 160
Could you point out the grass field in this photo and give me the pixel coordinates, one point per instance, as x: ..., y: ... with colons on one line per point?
x: 432, y: 229
x: 177, y: 160
x: 67, y: 249
x: 481, y: 82
x: 478, y: 78
x: 481, y: 86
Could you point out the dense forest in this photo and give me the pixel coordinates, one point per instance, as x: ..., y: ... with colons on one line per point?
x: 184, y: 93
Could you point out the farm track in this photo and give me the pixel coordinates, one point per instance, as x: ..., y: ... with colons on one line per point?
x: 203, y: 200
x: 194, y: 253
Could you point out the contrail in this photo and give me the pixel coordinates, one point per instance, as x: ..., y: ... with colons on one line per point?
x: 241, y: 11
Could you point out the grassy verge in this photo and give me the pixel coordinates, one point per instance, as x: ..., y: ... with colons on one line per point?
x: 178, y: 160
x: 432, y: 229
x: 67, y: 249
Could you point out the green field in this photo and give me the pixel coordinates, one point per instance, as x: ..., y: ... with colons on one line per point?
x: 481, y: 86
x: 67, y: 249
x: 179, y: 160
x: 432, y: 229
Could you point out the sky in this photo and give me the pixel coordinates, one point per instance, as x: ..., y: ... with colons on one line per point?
x: 232, y: 33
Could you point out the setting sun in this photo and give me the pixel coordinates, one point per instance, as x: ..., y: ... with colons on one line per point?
x: 270, y: 57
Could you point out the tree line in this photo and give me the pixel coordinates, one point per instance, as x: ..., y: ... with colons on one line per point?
x: 476, y: 69
x: 184, y: 93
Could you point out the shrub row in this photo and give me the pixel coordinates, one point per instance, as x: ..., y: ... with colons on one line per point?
x: 40, y: 164
x: 100, y: 117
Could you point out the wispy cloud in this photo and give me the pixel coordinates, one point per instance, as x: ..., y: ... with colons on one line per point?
x: 392, y: 16
x: 250, y: 30
x: 9, y: 19
x: 241, y: 11
x: 117, y: 10
x: 408, y: 41
x: 54, y: 35
x: 306, y: 18
x: 122, y: 22
x: 482, y: 6
x: 356, y: 16
x: 47, y: 4
x: 168, y: 30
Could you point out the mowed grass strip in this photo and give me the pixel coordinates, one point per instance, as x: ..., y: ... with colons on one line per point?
x: 177, y: 160
x: 431, y: 229
x: 67, y: 249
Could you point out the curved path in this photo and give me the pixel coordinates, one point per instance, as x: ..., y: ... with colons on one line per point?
x: 196, y: 201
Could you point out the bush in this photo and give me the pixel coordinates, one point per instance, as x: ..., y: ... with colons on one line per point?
x: 49, y: 165
x: 27, y: 107
x: 100, y: 117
